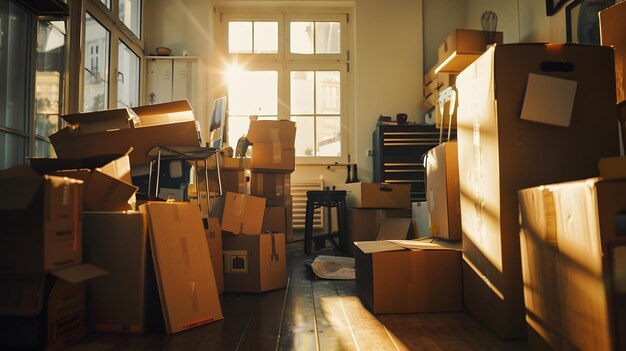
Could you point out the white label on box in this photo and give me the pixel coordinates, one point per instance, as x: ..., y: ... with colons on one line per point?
x: 549, y: 100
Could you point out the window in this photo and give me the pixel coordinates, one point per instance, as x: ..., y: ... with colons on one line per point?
x: 111, y: 55
x: 14, y: 78
x: 127, y: 77
x: 96, y: 82
x: 304, y: 81
x: 49, y: 84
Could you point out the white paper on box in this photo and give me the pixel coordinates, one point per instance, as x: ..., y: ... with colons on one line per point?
x: 549, y: 100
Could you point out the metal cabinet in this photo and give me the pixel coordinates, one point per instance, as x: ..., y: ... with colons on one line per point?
x: 399, y: 152
x: 171, y: 78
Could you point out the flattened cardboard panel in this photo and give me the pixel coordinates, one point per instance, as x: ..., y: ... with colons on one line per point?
x: 183, y: 266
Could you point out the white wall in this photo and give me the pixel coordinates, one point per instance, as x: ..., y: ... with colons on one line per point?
x: 441, y: 17
x: 388, y: 68
x: 395, y: 42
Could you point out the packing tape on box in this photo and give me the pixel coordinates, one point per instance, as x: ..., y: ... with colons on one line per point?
x: 275, y: 135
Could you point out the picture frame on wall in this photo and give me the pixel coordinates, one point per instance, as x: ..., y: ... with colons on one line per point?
x: 582, y: 23
x: 553, y: 6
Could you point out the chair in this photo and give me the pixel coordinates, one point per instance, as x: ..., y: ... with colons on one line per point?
x: 184, y: 153
x: 327, y: 199
x: 195, y: 154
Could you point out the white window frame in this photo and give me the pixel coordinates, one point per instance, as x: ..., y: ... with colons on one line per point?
x: 286, y: 62
x: 118, y: 31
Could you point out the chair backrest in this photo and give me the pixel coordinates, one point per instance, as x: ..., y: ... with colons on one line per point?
x: 216, y: 123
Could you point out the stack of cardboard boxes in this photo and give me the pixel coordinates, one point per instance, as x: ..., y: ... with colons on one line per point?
x: 572, y: 236
x: 82, y: 206
x: 393, y: 274
x: 254, y: 215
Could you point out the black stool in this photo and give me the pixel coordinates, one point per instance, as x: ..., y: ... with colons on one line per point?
x: 326, y: 199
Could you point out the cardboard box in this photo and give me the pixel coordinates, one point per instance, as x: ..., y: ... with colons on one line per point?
x: 364, y: 223
x: 107, y: 181
x: 462, y: 47
x: 569, y: 232
x: 102, y: 121
x: 40, y: 221
x: 165, y: 113
x: 377, y: 195
x: 243, y: 214
x: 182, y: 262
x: 395, y: 229
x: 391, y: 278
x: 118, y: 243
x: 214, y: 238
x: 272, y: 146
x: 443, y: 195
x: 612, y: 34
x: 235, y: 181
x: 500, y: 153
x: 179, y: 128
x: 274, y: 220
x: 44, y: 311
x: 254, y: 263
x: 262, y: 184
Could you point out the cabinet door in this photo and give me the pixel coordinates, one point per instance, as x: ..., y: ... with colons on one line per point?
x: 182, y: 80
x: 159, y: 81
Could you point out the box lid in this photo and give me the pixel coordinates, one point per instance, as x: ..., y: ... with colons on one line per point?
x: 124, y: 116
x: 167, y: 112
x: 423, y: 244
x: 394, y: 228
x: 19, y: 185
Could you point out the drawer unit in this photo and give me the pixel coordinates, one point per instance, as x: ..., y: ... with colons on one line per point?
x: 399, y: 152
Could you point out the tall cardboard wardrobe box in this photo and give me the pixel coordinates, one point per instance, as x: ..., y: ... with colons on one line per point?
x: 529, y: 114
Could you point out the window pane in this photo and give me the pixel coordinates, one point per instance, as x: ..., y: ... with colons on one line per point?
x: 43, y: 149
x: 265, y: 37
x: 305, y: 139
x: 327, y: 38
x: 302, y: 88
x: 253, y: 93
x: 12, y: 150
x: 301, y: 37
x: 130, y: 14
x: 107, y: 3
x: 327, y: 92
x: 327, y: 132
x: 48, y: 78
x: 14, y: 71
x: 239, y: 37
x: 96, y: 85
x: 127, y: 77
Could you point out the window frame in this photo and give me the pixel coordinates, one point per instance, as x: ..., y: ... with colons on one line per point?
x: 288, y: 62
x: 118, y: 32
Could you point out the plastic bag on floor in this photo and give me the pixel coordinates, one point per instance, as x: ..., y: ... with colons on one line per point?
x: 333, y: 267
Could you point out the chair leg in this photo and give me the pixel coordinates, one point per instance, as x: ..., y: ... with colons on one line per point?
x: 343, y: 226
x: 308, y: 228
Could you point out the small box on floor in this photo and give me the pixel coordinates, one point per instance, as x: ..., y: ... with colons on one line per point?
x: 254, y: 263
x: 409, y: 276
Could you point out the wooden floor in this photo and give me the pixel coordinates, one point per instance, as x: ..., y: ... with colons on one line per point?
x: 312, y: 314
